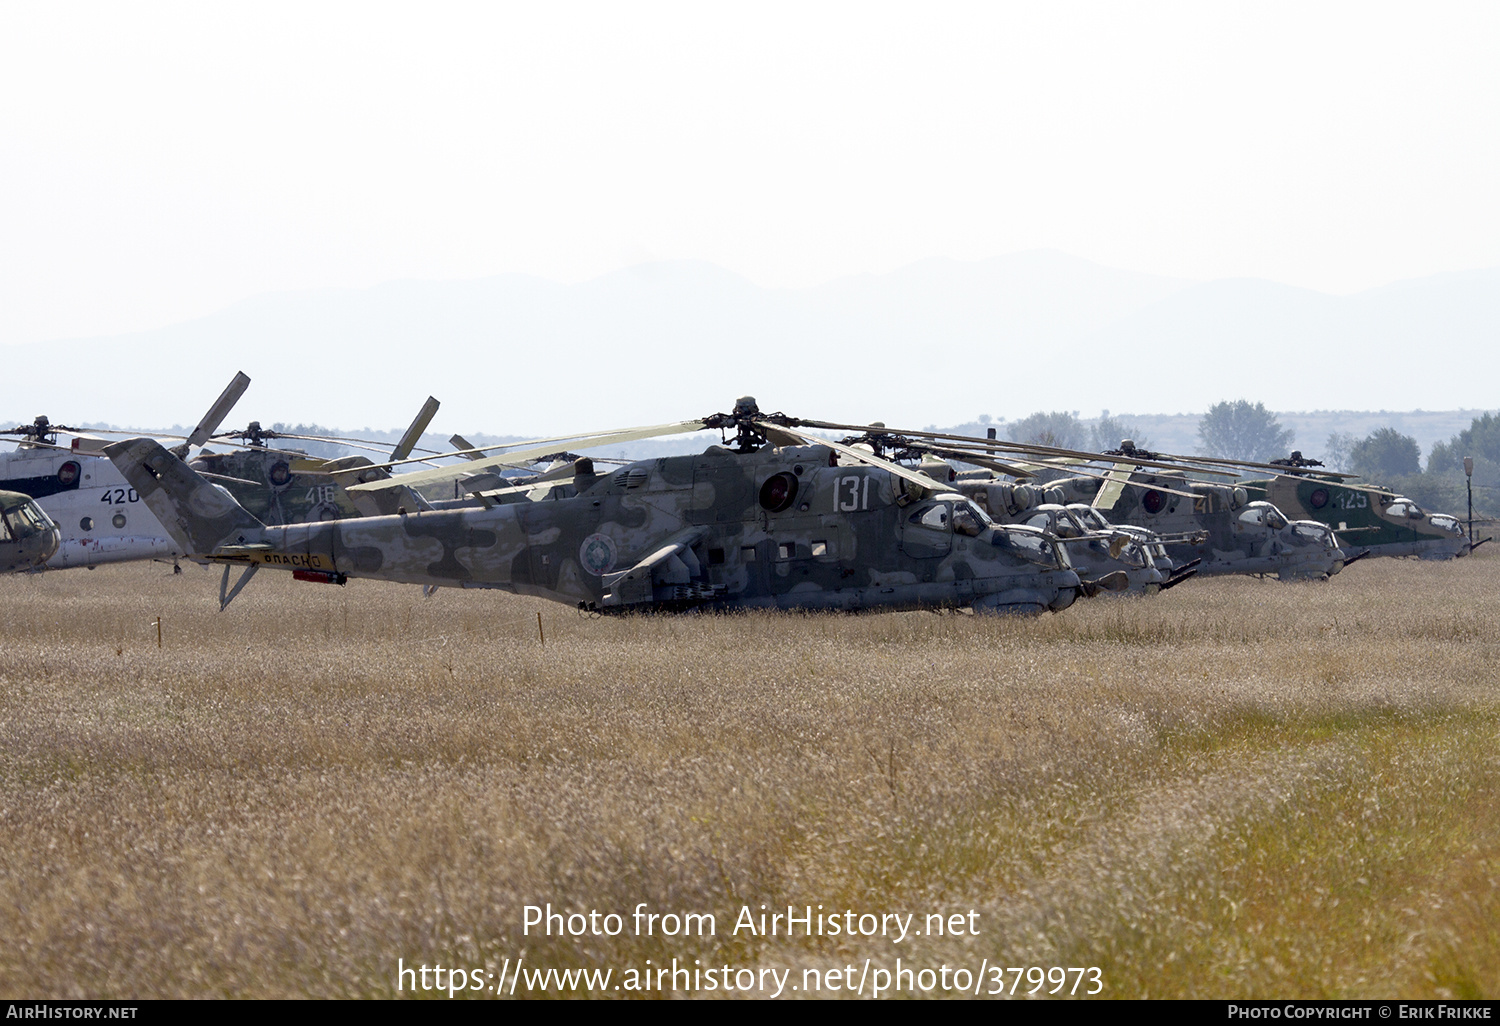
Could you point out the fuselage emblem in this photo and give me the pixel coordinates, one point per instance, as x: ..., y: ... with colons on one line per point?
x: 597, y: 554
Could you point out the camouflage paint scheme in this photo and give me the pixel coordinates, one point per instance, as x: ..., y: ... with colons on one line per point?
x: 1220, y: 525
x: 784, y: 527
x: 28, y: 537
x: 1088, y: 546
x: 1365, y: 518
x: 278, y: 486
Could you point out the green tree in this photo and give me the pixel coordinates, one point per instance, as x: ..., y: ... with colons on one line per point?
x: 1386, y: 453
x: 1061, y: 429
x: 1336, y: 450
x: 1109, y: 432
x: 1444, y: 486
x: 1243, y: 431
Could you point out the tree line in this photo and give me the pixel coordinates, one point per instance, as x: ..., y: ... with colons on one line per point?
x: 1242, y: 430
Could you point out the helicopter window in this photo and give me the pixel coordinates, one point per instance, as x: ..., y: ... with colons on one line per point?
x: 935, y: 517
x: 1091, y: 518
x: 1153, y: 502
x: 787, y: 550
x: 1319, y: 498
x: 1404, y: 508
x: 67, y: 473
x: 820, y: 548
x: 1067, y: 527
x: 4, y: 528
x: 118, y: 520
x: 1041, y: 521
x: 86, y: 524
x: 1031, y: 547
x: 1253, y: 516
x: 747, y: 553
x: 966, y: 520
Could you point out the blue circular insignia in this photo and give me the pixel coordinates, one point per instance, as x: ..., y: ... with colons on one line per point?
x: 597, y: 554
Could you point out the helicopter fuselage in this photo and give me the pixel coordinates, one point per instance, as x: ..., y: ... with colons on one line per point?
x: 28, y: 537
x: 786, y: 528
x: 99, y: 516
x: 1366, y: 518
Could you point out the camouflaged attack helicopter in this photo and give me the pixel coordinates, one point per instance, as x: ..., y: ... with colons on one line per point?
x: 287, y: 486
x: 773, y: 518
x: 28, y: 537
x: 1220, y: 525
x: 1108, y: 558
x: 1207, y: 528
x: 1374, y: 519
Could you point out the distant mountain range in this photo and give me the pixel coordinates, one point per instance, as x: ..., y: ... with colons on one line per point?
x: 937, y: 342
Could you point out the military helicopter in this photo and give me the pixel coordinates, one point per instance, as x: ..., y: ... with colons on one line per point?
x: 28, y: 537
x: 100, y: 516
x: 773, y: 518
x: 1221, y: 525
x: 1212, y: 528
x: 287, y: 486
x: 1380, y: 521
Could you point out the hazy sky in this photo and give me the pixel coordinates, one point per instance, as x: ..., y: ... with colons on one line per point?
x: 161, y: 161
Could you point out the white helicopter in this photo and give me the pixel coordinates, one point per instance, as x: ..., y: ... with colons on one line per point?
x: 100, y: 518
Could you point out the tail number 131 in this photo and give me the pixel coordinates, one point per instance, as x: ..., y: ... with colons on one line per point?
x: 852, y: 493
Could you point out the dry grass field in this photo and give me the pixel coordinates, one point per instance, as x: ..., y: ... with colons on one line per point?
x: 1239, y: 788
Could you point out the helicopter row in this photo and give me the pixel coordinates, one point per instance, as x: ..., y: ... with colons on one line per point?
x: 774, y: 516
x: 100, y: 518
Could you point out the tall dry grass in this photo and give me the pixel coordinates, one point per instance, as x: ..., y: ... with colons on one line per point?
x: 1240, y: 788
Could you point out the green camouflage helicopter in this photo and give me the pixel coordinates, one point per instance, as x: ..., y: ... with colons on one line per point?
x: 774, y: 518
x: 288, y: 486
x: 1380, y: 521
x: 28, y: 537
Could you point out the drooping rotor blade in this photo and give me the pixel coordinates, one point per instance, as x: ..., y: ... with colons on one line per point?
x: 1114, y: 487
x: 1046, y: 454
x: 461, y: 443
x: 414, y: 433
x: 981, y: 461
x: 1108, y: 476
x: 216, y: 413
x: 1275, y: 468
x: 224, y: 440
x: 538, y: 448
x: 998, y: 445
x: 905, y: 473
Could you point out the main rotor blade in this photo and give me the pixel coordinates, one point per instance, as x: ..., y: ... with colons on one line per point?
x: 462, y: 443
x: 1053, y: 455
x: 1281, y: 469
x: 1111, y: 475
x: 414, y: 433
x: 539, y: 447
x: 218, y: 411
x: 905, y: 473
x: 981, y: 461
x: 994, y: 445
x: 1114, y: 487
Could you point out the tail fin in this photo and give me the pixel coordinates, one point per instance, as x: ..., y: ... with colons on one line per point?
x: 386, y: 501
x: 200, y: 516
